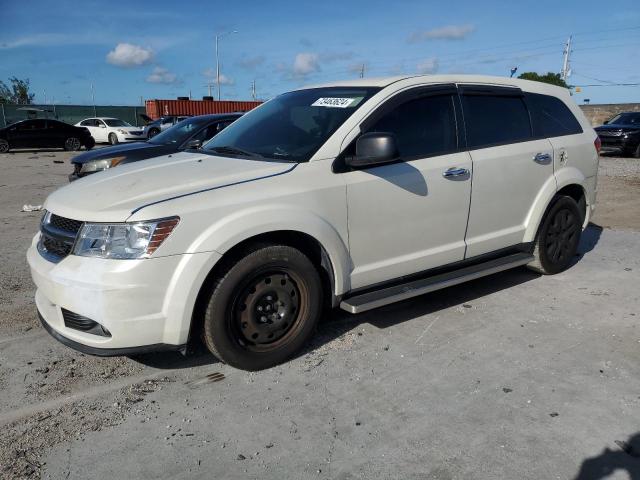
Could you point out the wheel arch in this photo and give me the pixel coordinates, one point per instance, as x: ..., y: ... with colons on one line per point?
x: 568, y: 181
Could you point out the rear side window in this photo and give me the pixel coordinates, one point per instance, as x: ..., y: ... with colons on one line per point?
x: 495, y: 120
x: 550, y: 117
x: 423, y: 127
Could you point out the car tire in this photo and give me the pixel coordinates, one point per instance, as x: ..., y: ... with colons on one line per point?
x: 72, y: 144
x: 4, y: 146
x: 558, y: 237
x: 153, y: 132
x: 263, y: 308
x: 113, y: 139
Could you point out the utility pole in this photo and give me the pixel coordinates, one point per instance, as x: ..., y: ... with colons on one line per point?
x: 362, y: 71
x: 93, y: 100
x: 253, y: 90
x: 566, y: 66
x: 218, y: 59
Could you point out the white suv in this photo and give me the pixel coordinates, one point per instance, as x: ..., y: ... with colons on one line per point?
x: 354, y: 194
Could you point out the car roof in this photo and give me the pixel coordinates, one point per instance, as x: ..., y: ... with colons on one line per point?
x: 382, y: 82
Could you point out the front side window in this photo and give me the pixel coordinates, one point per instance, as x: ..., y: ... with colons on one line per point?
x: 550, y: 117
x: 292, y: 126
x: 423, y: 127
x: 495, y: 120
x: 114, y: 122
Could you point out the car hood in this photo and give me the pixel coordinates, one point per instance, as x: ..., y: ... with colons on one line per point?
x: 115, y: 151
x: 112, y: 195
x: 615, y: 127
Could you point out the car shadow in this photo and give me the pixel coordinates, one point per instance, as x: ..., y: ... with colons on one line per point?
x: 627, y: 459
x: 336, y: 322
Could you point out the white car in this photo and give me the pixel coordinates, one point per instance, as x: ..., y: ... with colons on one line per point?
x: 112, y: 130
x: 354, y: 194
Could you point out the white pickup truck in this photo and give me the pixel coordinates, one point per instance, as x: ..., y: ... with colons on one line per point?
x: 353, y: 194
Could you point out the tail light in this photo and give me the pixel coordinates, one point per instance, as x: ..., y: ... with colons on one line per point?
x: 598, y: 144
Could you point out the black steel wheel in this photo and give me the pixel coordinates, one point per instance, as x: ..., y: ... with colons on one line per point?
x: 72, y: 144
x: 4, y: 146
x: 263, y: 308
x: 558, y: 237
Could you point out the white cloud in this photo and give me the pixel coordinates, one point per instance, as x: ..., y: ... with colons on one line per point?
x: 162, y: 75
x: 305, y: 63
x: 129, y: 55
x: 449, y: 32
x: 428, y: 65
x: 210, y: 73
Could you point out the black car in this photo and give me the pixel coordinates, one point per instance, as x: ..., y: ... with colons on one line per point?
x: 621, y: 134
x: 44, y: 133
x: 190, y: 133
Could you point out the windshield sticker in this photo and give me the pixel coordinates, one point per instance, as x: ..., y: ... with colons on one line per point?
x: 333, y: 102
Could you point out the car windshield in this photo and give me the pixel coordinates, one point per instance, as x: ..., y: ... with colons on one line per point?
x: 114, y: 122
x: 179, y: 132
x: 292, y: 126
x: 626, y: 119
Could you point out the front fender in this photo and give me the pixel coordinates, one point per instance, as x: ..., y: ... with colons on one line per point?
x: 235, y: 228
x: 562, y: 178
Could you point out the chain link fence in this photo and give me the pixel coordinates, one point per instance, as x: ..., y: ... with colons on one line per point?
x: 71, y: 114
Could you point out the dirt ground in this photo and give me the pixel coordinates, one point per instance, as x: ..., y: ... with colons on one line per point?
x: 478, y: 381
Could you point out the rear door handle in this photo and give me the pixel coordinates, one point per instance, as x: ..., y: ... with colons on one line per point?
x: 455, y: 172
x: 543, y: 158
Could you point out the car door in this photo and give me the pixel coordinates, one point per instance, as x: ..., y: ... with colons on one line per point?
x: 510, y: 166
x: 411, y: 215
x: 102, y: 131
x: 31, y: 133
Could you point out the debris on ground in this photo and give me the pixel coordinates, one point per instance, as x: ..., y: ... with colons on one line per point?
x: 31, y: 208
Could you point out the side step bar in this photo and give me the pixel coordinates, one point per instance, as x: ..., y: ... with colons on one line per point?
x: 385, y: 296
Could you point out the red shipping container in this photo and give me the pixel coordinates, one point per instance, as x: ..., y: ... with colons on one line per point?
x: 159, y: 108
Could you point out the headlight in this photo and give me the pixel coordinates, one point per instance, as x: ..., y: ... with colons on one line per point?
x: 123, y: 240
x: 123, y: 132
x: 99, y: 165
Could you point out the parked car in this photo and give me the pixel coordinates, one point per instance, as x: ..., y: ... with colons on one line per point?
x: 44, y: 133
x: 354, y: 194
x: 112, y: 130
x: 190, y: 134
x: 621, y: 134
x: 153, y: 128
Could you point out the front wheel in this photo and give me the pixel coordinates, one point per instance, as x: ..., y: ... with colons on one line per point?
x: 113, y: 139
x: 72, y: 144
x: 558, y: 237
x: 263, y: 308
x: 153, y: 132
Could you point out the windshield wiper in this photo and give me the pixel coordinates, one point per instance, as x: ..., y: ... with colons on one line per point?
x: 235, y: 151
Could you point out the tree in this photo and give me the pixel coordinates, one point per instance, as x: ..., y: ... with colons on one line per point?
x: 18, y: 93
x: 549, y: 77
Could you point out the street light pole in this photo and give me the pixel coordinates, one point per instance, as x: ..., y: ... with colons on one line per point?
x: 218, y: 59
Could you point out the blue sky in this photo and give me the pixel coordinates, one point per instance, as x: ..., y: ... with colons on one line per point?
x: 162, y: 49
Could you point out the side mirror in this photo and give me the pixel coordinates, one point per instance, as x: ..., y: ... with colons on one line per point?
x: 102, y: 125
x: 374, y: 148
x: 193, y: 143
x: 605, y: 122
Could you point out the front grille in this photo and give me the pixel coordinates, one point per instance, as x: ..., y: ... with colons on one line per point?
x: 58, y: 234
x: 84, y: 324
x: 65, y: 224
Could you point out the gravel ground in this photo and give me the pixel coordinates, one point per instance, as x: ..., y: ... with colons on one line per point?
x: 477, y: 381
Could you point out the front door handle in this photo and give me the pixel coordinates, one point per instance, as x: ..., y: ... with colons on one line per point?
x: 455, y: 172
x: 543, y: 158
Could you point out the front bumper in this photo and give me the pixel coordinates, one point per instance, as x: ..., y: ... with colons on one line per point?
x: 146, y: 304
x: 129, y: 137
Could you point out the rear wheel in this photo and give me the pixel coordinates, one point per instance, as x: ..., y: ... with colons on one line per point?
x: 153, y: 132
x: 4, y: 146
x: 264, y: 308
x: 72, y: 144
x: 558, y: 237
x: 113, y: 139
